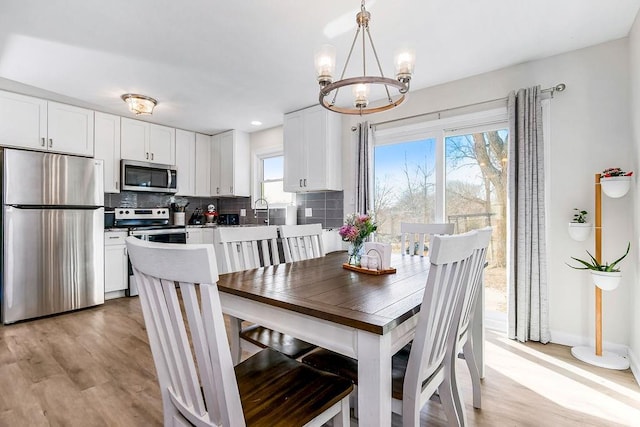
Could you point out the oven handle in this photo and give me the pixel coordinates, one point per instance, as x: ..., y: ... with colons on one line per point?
x: 157, y: 232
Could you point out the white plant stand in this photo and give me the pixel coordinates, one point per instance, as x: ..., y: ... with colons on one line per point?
x: 607, y: 359
x: 595, y: 355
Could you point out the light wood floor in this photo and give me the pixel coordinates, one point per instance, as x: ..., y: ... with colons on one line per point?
x: 94, y: 368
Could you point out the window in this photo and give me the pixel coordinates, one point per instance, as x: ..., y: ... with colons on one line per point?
x: 448, y: 170
x: 404, y: 186
x: 271, y: 181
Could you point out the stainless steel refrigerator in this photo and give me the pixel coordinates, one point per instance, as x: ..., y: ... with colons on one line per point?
x: 52, y: 233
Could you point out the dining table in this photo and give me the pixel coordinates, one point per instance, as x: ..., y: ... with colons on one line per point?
x: 368, y: 317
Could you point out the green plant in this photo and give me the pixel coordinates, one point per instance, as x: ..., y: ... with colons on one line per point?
x: 593, y: 264
x: 580, y: 216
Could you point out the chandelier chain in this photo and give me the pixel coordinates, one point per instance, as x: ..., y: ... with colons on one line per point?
x: 344, y: 69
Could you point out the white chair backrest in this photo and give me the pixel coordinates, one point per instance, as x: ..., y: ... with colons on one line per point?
x: 475, y: 277
x: 244, y: 248
x: 450, y: 260
x: 301, y: 242
x: 203, y: 389
x: 413, y: 235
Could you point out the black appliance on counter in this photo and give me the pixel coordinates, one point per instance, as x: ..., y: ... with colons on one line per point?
x: 197, y: 217
x: 150, y: 224
x: 228, y: 219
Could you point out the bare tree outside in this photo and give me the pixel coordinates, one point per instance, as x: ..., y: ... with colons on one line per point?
x: 475, y: 193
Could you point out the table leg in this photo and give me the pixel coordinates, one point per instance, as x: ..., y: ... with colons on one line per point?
x: 374, y: 379
x: 235, y: 325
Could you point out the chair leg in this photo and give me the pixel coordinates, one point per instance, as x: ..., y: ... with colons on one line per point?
x: 467, y: 349
x: 342, y: 419
x: 446, y: 393
x: 235, y: 326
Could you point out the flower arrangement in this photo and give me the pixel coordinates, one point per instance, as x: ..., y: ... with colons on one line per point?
x: 610, y: 172
x: 356, y: 229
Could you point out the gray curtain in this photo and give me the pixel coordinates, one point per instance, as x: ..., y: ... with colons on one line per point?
x: 363, y: 169
x: 528, y: 295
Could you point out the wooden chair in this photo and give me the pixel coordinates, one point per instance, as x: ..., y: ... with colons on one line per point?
x: 424, y: 366
x: 465, y: 344
x: 413, y: 235
x: 198, y: 381
x: 301, y: 242
x: 245, y: 248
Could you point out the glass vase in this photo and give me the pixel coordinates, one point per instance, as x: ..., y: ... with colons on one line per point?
x: 355, y: 251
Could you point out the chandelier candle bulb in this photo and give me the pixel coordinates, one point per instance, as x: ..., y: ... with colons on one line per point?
x: 405, y: 60
x: 325, y: 61
x: 361, y: 95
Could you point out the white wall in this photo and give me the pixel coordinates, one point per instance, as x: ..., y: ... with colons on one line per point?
x: 590, y: 131
x: 634, y: 300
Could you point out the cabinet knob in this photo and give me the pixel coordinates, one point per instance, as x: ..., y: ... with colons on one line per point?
x: 305, y: 182
x: 146, y: 155
x: 300, y: 183
x: 116, y: 185
x: 151, y: 156
x: 43, y: 142
x: 50, y: 142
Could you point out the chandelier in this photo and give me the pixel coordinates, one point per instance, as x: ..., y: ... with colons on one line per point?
x: 361, y: 86
x: 139, y: 104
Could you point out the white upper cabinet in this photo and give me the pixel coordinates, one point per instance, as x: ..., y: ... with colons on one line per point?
x: 230, y: 164
x: 107, y: 148
x: 29, y: 122
x: 148, y: 142
x: 186, y: 162
x: 312, y: 150
x: 203, y: 165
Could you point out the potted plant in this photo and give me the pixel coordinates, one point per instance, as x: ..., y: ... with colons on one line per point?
x: 615, y: 182
x: 356, y: 230
x: 579, y: 228
x: 606, y: 276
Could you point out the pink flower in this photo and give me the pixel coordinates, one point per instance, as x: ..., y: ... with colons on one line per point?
x: 348, y: 232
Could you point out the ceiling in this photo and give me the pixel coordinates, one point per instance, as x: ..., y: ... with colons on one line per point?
x: 217, y: 65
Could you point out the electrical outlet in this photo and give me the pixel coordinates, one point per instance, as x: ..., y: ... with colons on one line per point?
x: 243, y: 212
x: 308, y: 212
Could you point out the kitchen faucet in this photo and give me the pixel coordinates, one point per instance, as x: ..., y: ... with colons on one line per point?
x: 255, y: 209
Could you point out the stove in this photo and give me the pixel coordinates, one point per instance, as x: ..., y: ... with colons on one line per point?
x: 141, y: 217
x: 150, y: 224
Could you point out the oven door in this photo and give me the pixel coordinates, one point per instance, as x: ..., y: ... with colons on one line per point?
x: 161, y: 236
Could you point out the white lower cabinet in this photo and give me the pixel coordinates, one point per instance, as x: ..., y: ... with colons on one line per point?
x: 199, y: 235
x: 116, y: 275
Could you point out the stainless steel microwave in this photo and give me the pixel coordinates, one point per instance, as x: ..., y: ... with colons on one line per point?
x: 143, y: 176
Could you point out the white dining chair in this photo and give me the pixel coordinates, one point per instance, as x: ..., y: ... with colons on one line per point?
x: 424, y: 366
x: 414, y: 235
x: 199, y: 384
x: 300, y: 242
x: 465, y: 346
x: 245, y: 248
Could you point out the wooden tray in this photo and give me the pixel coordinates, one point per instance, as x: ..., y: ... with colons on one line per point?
x: 391, y: 270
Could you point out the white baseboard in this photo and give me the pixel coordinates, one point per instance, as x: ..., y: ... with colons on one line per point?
x: 572, y: 340
x: 635, y: 365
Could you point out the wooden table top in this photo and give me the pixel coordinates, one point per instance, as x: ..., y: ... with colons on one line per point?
x: 321, y: 288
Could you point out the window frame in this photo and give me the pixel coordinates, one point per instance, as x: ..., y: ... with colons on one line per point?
x: 259, y: 177
x: 438, y: 129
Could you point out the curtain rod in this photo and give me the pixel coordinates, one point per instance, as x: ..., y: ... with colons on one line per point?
x: 560, y: 87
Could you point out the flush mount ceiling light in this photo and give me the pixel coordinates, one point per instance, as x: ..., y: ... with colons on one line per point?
x: 139, y: 104
x: 361, y: 86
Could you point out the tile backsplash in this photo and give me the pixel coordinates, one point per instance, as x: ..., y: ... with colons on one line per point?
x: 326, y: 207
